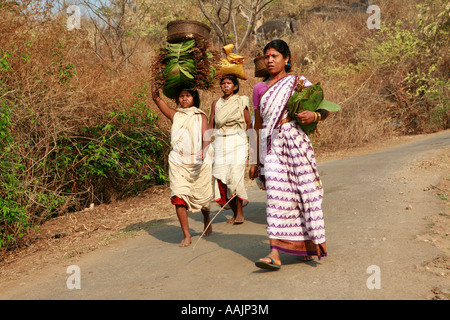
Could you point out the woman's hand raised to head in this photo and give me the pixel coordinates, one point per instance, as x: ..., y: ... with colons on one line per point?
x: 165, y: 109
x: 155, y: 92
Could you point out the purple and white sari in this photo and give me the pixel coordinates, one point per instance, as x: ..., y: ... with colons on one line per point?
x: 295, y: 222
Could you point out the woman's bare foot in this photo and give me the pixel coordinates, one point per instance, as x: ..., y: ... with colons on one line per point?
x: 239, y: 219
x: 238, y: 213
x: 185, y: 243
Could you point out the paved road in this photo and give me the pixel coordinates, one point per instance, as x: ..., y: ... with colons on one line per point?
x: 366, y: 225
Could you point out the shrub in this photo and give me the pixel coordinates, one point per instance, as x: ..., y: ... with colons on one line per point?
x: 74, y: 129
x: 13, y: 217
x: 389, y: 81
x: 409, y: 64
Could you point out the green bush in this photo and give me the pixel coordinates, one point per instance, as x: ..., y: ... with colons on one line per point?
x: 406, y: 65
x: 13, y: 216
x: 117, y: 157
x: 121, y: 155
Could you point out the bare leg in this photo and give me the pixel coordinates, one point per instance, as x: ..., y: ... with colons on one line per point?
x: 238, y: 212
x: 183, y: 218
x: 234, y: 209
x: 231, y: 220
x: 206, y: 220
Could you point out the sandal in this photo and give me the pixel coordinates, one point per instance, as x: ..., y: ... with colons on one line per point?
x: 266, y: 265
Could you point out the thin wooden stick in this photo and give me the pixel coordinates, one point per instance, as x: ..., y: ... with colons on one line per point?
x: 223, y: 207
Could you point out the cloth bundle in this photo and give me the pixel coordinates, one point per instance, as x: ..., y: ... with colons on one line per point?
x: 232, y: 64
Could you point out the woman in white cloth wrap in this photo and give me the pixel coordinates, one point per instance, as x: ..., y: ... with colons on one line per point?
x: 230, y: 117
x: 189, y: 173
x: 287, y: 166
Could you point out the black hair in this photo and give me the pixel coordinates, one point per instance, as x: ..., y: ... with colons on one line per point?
x: 283, y: 48
x: 193, y: 92
x: 233, y: 79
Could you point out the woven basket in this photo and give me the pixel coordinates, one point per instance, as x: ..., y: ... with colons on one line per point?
x: 260, y: 67
x: 181, y: 30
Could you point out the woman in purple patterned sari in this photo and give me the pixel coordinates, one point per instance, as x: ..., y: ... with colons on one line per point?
x: 286, y: 165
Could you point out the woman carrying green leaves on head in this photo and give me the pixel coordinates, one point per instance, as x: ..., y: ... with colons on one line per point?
x: 189, y: 173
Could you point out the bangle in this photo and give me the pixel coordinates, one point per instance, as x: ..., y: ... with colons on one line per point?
x: 319, y: 116
x: 315, y: 117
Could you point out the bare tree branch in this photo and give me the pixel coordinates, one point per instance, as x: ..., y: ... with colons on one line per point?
x: 115, y: 28
x: 250, y: 11
x: 217, y: 28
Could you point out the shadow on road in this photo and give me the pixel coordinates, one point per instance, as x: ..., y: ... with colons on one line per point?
x: 248, y: 240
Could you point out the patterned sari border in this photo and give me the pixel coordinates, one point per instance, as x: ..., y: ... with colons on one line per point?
x: 299, y: 248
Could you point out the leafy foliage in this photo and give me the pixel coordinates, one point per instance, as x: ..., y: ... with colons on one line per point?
x: 13, y: 217
x: 420, y: 82
x: 73, y: 131
x: 187, y: 64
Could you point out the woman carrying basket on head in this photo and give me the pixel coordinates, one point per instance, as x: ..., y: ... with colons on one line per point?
x: 286, y: 164
x: 230, y: 117
x: 189, y: 172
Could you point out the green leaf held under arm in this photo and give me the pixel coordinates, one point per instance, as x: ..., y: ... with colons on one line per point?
x: 310, y: 98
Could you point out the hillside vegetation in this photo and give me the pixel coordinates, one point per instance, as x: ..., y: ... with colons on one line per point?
x: 77, y: 125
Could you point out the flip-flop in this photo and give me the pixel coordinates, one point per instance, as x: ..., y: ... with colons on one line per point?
x: 267, y: 266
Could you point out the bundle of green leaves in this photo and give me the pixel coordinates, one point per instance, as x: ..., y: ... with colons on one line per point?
x: 187, y: 64
x: 310, y: 98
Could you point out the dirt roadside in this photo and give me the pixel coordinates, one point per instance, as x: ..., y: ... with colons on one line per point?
x: 79, y: 233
